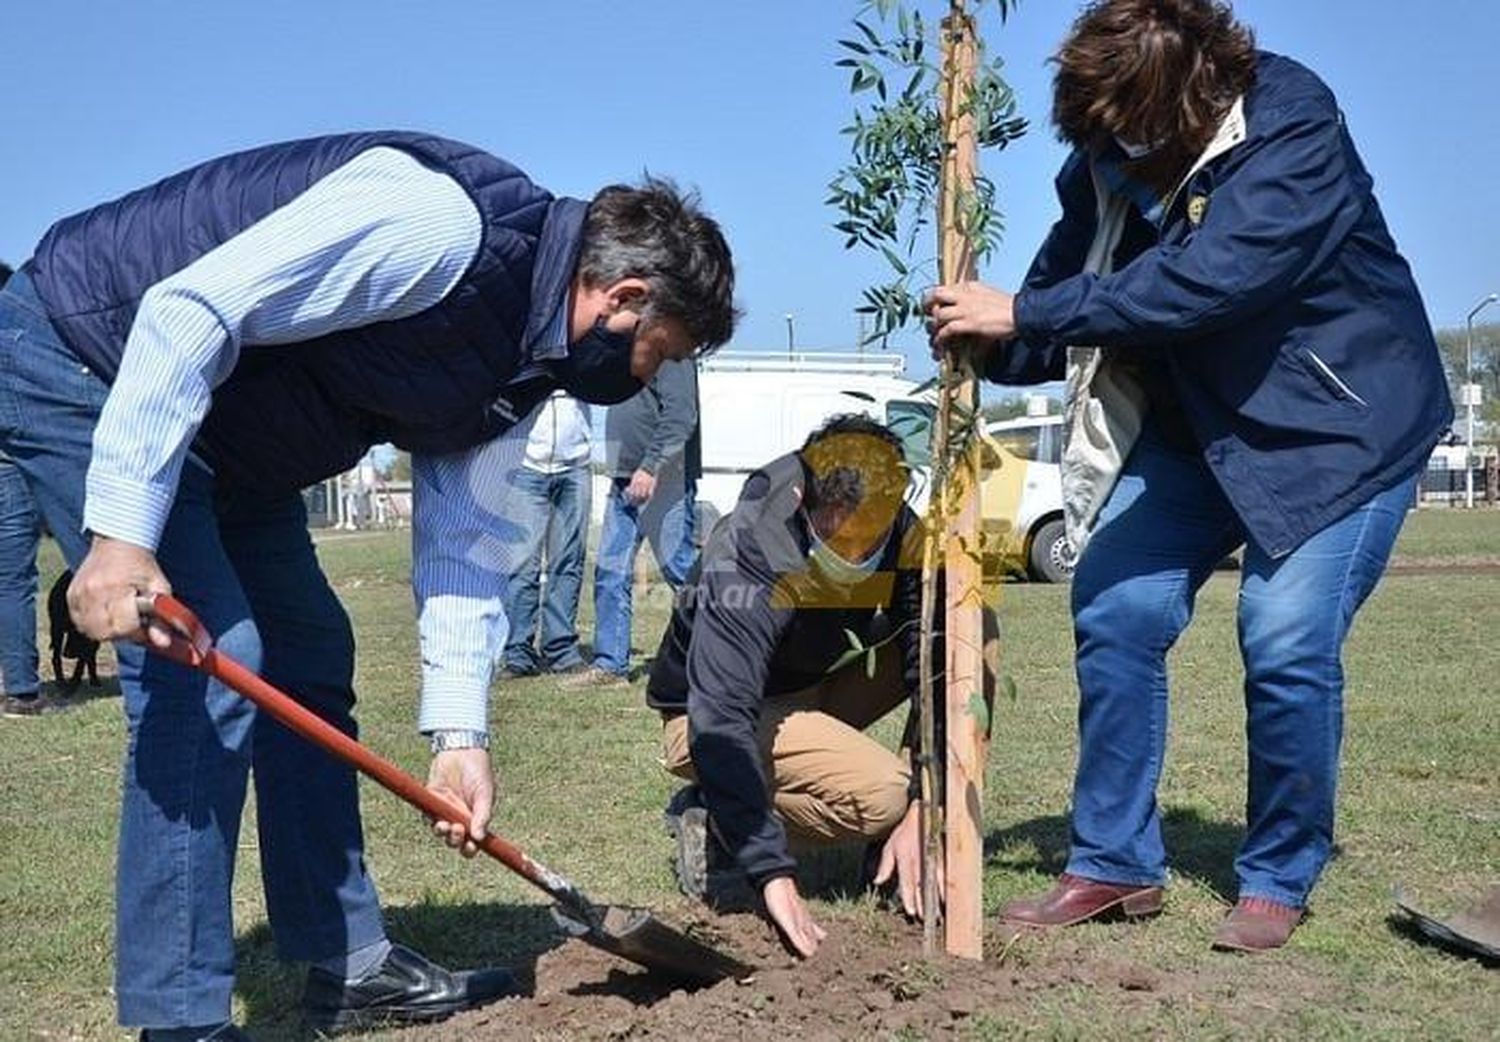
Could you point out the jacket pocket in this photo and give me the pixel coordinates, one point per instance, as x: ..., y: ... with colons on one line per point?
x: 1328, y: 378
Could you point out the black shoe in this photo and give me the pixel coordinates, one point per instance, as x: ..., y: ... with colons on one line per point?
x: 223, y: 1033
x: 705, y: 868
x: 685, y: 798
x: 31, y: 705
x: 406, y: 989
x: 517, y: 673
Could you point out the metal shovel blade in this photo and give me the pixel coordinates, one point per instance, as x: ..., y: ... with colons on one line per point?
x: 1476, y: 931
x: 638, y: 936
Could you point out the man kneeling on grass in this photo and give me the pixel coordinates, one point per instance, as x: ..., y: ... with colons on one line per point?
x: 763, y: 699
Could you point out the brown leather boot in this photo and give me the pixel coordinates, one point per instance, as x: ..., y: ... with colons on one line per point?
x: 1256, y: 925
x: 1075, y: 900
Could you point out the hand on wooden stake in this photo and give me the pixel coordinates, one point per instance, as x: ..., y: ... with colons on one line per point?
x: 968, y: 310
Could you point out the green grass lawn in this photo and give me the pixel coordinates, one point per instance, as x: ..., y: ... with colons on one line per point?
x: 1420, y: 805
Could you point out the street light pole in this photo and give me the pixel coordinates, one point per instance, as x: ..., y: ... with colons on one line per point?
x: 1469, y: 397
x: 790, y: 336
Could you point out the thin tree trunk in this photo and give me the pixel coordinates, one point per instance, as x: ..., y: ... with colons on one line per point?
x: 966, y: 713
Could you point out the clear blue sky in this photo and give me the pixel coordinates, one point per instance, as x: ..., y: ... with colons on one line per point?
x: 739, y: 99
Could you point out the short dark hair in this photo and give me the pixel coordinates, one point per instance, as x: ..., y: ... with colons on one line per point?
x: 6, y: 271
x: 1154, y: 72
x: 659, y: 233
x: 852, y: 460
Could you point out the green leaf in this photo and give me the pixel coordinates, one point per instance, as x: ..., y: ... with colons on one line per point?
x: 855, y: 46
x: 844, y: 660
x: 979, y: 709
x: 895, y: 261
x: 853, y: 639
x: 870, y: 664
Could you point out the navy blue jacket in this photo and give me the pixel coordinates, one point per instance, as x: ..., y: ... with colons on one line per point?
x: 1291, y: 328
x: 446, y: 378
x: 754, y: 622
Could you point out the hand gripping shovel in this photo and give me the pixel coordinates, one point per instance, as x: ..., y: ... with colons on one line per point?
x: 630, y: 933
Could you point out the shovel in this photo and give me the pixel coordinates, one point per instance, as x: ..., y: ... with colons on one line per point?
x: 630, y: 933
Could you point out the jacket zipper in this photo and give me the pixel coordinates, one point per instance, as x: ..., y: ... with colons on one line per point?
x: 1333, y: 378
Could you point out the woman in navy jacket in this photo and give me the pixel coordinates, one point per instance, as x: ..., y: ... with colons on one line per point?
x: 1248, y: 362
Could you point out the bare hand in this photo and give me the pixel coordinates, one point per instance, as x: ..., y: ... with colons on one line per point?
x: 785, y: 907
x: 464, y: 777
x: 969, y: 310
x: 902, y: 857
x: 641, y: 488
x: 102, y: 596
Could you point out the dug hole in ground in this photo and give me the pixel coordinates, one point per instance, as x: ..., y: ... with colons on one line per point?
x: 869, y: 980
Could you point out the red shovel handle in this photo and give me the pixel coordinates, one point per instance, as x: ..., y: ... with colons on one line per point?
x: 194, y: 647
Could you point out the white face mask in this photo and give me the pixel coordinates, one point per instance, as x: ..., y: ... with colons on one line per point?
x: 840, y: 570
x: 1134, y: 151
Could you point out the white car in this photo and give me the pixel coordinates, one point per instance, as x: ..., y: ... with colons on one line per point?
x: 1037, y: 440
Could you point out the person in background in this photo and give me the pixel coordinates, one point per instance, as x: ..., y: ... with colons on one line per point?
x: 654, y: 460
x: 1248, y: 362
x: 551, y: 488
x: 20, y: 531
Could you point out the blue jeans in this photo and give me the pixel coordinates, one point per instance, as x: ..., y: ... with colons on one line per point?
x: 668, y: 520
x: 247, y: 566
x: 552, y: 511
x: 1157, y: 541
x: 19, y: 531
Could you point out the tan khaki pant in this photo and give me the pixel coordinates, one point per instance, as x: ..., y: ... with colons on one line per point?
x: 830, y: 782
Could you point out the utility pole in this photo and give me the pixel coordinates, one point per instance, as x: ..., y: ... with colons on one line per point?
x: 1471, y: 397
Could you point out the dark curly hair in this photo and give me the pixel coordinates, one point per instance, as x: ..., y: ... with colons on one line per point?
x: 853, y: 461
x: 1157, y: 72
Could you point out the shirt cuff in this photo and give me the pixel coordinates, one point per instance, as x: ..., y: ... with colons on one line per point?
x: 453, y: 703
x: 121, y: 508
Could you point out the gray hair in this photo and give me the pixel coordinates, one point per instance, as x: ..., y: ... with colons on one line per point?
x: 658, y: 233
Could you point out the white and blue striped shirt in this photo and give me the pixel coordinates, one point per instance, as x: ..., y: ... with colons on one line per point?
x: 380, y: 238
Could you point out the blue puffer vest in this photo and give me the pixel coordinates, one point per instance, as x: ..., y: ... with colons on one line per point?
x: 290, y: 415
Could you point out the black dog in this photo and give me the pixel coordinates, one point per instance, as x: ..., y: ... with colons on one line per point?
x: 67, y: 642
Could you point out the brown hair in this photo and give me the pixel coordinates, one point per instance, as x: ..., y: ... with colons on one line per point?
x: 1159, y: 72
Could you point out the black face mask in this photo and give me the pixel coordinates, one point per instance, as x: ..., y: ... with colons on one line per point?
x: 597, y: 368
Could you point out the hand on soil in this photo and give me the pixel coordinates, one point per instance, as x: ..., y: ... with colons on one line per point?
x: 102, y: 596
x: 902, y: 856
x: 463, y: 776
x: 785, y: 907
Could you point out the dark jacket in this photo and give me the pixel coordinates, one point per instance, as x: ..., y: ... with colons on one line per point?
x: 657, y: 429
x: 755, y: 622
x: 436, y: 381
x: 1290, y: 327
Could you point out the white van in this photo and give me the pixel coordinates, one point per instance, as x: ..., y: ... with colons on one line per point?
x: 755, y: 406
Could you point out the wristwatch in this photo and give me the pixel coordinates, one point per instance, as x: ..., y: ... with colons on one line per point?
x: 442, y: 741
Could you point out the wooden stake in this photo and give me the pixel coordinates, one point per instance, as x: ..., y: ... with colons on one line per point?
x: 966, y: 714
